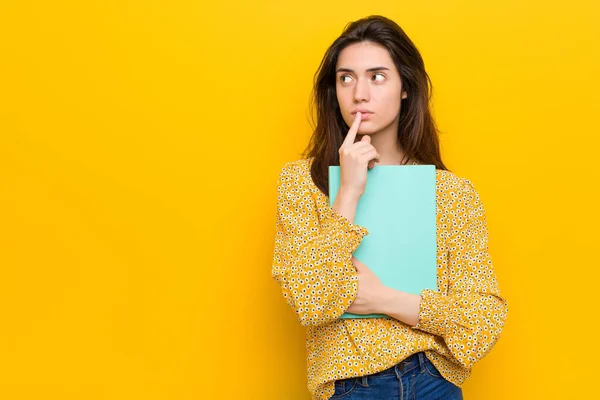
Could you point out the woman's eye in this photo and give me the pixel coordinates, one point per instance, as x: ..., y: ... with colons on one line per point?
x: 343, y: 77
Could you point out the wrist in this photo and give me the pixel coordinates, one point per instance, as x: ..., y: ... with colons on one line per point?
x: 350, y: 194
x: 389, y: 298
x: 401, y: 305
x: 345, y: 204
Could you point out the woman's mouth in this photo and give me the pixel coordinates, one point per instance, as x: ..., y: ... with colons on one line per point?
x: 364, y: 116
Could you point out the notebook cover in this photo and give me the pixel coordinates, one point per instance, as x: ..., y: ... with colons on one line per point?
x: 398, y: 210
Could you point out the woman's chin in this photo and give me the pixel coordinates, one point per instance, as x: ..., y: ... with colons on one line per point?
x: 365, y: 130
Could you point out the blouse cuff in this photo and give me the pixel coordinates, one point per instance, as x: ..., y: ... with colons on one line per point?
x: 350, y: 234
x: 434, y: 311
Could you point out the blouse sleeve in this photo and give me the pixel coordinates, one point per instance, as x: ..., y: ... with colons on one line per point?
x: 470, y: 317
x: 312, y: 259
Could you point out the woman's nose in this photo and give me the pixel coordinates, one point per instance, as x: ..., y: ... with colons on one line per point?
x: 361, y: 91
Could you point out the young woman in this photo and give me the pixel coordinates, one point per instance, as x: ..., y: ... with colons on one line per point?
x: 372, y: 107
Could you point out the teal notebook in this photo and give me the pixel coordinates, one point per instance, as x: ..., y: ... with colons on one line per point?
x: 398, y: 210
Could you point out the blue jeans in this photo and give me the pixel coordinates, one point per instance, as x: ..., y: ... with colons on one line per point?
x: 414, y: 378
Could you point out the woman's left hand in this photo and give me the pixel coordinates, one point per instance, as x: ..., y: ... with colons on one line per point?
x: 371, y: 292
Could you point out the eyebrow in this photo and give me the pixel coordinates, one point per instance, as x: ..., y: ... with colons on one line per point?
x: 369, y: 70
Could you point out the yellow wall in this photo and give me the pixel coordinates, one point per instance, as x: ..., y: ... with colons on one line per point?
x: 140, y: 143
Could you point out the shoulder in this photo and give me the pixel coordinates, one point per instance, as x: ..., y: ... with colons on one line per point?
x: 296, y: 166
x: 296, y: 171
x: 457, y: 189
x: 449, y: 181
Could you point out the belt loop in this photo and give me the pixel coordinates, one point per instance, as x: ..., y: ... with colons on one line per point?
x: 422, y: 360
x: 364, y: 382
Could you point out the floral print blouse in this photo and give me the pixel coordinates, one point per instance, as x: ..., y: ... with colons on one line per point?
x: 458, y: 323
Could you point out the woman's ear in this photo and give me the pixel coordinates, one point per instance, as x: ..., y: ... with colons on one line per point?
x: 404, y: 95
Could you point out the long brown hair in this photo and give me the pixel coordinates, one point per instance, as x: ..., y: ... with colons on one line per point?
x: 417, y: 131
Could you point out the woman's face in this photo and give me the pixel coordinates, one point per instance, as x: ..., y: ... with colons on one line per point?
x: 367, y: 79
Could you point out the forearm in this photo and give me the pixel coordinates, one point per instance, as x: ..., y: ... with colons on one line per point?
x: 402, y: 306
x: 345, y: 204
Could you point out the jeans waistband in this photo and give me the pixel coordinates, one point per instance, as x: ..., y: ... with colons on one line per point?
x: 416, y: 360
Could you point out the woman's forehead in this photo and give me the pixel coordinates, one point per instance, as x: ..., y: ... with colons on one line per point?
x: 362, y: 56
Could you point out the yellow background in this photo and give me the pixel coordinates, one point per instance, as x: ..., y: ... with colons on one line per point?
x: 140, y: 143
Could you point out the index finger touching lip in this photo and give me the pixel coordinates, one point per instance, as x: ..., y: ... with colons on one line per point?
x: 353, y: 129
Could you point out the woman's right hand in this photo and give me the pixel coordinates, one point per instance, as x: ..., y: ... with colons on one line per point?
x: 355, y: 159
